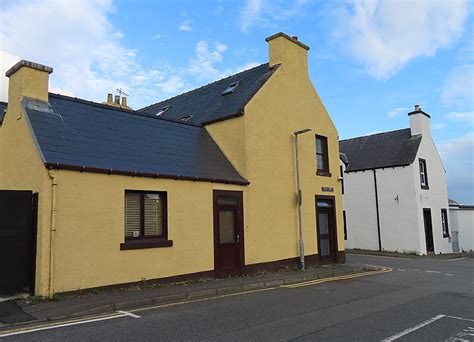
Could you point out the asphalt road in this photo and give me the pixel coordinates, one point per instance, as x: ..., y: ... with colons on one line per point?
x: 420, y: 300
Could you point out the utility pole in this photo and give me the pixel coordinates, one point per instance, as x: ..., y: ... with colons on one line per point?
x: 298, y: 182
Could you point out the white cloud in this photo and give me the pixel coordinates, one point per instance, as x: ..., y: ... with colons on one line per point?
x: 266, y: 14
x: 160, y: 36
x: 463, y: 117
x: 398, y: 111
x: 386, y: 35
x: 438, y: 125
x: 83, y: 47
x: 203, y: 64
x: 458, y: 90
x: 458, y: 156
x: 186, y: 26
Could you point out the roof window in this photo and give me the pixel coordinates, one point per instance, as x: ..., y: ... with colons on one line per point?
x: 231, y: 88
x: 185, y: 118
x: 162, y: 110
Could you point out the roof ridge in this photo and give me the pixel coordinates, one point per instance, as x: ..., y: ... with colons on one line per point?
x: 204, y: 86
x: 129, y: 111
x: 371, y: 135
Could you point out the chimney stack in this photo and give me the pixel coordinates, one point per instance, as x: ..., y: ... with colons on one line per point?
x: 117, y: 99
x: 124, y: 101
x: 109, y: 98
x: 289, y: 52
x: 420, y: 122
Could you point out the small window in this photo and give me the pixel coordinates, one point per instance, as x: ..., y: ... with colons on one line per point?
x: 345, y: 224
x: 162, y: 111
x: 230, y: 88
x: 145, y: 215
x: 444, y: 222
x: 322, y: 158
x: 423, y: 174
x: 186, y: 118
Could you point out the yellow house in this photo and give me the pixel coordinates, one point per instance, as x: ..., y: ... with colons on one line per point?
x: 204, y: 183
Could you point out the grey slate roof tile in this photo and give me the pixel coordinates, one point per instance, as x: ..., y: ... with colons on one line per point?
x: 389, y: 149
x: 84, y: 134
x: 207, y: 104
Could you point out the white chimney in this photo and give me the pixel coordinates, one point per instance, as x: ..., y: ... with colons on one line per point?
x: 419, y: 122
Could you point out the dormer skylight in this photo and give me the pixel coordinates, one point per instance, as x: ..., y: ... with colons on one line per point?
x: 185, y: 118
x: 162, y: 110
x: 231, y: 88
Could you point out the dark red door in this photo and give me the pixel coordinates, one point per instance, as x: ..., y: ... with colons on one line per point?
x: 228, y: 232
x: 326, y: 225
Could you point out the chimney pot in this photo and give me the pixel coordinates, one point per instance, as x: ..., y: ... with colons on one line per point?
x: 124, y: 101
x: 417, y: 108
x: 109, y: 98
x: 117, y: 99
x: 294, y: 37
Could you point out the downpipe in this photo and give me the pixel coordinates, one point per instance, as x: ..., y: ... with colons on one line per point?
x: 54, y: 185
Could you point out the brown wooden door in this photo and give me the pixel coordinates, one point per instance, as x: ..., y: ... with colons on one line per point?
x: 326, y: 226
x: 228, y: 232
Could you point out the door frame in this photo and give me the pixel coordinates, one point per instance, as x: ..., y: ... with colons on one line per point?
x: 333, y: 237
x: 428, y: 210
x: 239, y: 227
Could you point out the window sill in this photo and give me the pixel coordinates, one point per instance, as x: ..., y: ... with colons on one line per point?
x: 446, y: 236
x: 323, y: 173
x: 148, y: 243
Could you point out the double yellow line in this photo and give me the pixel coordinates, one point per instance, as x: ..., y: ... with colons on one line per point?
x: 326, y: 280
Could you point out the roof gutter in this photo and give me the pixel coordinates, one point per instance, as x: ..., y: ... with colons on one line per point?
x: 58, y: 166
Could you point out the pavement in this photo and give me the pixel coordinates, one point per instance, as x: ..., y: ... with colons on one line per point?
x: 105, y: 301
x: 419, y: 300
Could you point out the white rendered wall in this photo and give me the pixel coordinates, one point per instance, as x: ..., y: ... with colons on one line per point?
x: 462, y: 221
x: 397, y: 210
x: 359, y: 204
x: 434, y: 198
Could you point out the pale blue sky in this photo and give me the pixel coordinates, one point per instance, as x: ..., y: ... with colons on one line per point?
x: 371, y: 62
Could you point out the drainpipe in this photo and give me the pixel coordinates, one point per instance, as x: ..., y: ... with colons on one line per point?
x: 54, y: 184
x: 300, y: 224
x: 377, y: 210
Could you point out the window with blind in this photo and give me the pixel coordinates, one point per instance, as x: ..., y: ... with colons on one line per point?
x: 145, y: 215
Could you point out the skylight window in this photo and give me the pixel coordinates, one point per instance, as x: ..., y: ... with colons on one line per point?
x: 185, y: 118
x: 231, y: 88
x: 162, y: 110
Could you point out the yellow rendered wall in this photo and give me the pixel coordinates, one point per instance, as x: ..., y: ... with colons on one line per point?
x: 90, y: 228
x: 287, y: 102
x: 21, y: 167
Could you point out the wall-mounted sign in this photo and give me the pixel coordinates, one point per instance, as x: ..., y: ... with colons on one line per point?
x: 327, y: 189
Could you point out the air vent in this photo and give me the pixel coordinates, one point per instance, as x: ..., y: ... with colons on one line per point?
x: 162, y: 110
x: 230, y: 88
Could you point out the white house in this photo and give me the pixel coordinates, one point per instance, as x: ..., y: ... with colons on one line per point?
x: 461, y: 218
x: 394, y: 190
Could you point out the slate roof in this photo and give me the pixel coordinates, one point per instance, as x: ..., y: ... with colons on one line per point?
x: 389, y: 149
x: 3, y: 106
x: 82, y: 135
x: 207, y: 104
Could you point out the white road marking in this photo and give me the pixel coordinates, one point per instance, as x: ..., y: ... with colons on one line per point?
x: 455, y: 259
x: 412, y: 329
x: 461, y: 318
x: 400, y: 270
x: 128, y: 314
x: 56, y: 326
x: 448, y: 274
x: 428, y: 271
